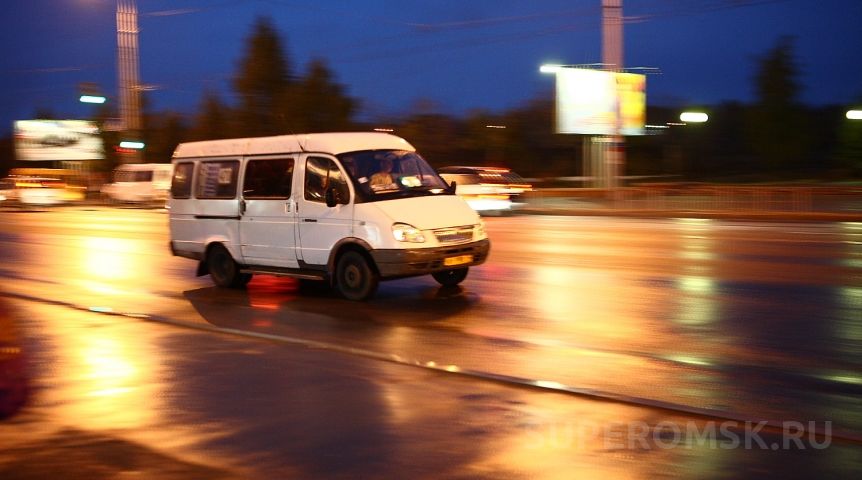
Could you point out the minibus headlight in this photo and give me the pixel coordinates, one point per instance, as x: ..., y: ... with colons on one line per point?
x: 480, y: 230
x: 407, y: 233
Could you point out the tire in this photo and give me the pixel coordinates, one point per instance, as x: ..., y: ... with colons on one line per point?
x: 354, y: 277
x: 450, y: 278
x: 224, y: 271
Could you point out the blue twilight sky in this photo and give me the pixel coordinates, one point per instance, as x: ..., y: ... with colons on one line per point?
x: 461, y: 55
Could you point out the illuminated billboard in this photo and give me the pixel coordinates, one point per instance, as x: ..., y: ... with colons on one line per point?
x: 50, y: 140
x: 596, y: 102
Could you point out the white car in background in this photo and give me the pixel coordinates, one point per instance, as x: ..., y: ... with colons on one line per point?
x: 487, y: 189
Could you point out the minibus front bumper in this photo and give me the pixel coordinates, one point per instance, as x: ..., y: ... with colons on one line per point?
x: 420, y: 261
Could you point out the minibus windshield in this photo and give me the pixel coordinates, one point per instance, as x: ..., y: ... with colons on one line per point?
x: 388, y: 174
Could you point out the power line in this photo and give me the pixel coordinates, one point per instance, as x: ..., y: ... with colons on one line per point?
x: 425, y: 30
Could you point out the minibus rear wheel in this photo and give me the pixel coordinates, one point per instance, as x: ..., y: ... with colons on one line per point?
x: 354, y: 277
x: 224, y: 270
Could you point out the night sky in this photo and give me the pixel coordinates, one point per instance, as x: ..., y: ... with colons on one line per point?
x: 460, y: 55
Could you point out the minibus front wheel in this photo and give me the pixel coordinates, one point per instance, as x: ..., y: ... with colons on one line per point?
x: 224, y: 271
x: 355, y: 278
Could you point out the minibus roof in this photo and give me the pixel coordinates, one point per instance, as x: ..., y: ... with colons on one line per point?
x: 331, y: 143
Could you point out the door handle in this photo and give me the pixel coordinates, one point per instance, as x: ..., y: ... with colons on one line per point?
x: 242, y: 207
x: 310, y: 220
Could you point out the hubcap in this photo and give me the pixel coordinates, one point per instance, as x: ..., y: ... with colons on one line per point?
x: 352, y: 276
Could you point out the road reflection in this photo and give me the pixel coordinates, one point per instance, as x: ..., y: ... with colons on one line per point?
x: 111, y: 380
x: 749, y: 319
x: 288, y: 299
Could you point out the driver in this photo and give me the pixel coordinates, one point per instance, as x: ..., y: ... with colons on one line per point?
x: 382, y: 180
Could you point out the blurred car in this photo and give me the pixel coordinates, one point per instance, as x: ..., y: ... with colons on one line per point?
x: 487, y: 189
x: 36, y: 191
x: 7, y: 186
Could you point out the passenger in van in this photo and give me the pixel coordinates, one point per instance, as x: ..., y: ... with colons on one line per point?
x: 350, y: 165
x: 383, y: 180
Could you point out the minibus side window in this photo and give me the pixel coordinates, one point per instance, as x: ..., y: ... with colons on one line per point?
x: 217, y: 180
x: 181, y: 185
x: 320, y: 174
x: 270, y: 178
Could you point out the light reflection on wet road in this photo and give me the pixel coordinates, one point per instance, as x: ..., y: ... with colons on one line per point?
x: 756, y: 320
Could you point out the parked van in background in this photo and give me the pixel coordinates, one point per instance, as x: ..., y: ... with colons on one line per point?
x: 346, y: 208
x: 140, y: 183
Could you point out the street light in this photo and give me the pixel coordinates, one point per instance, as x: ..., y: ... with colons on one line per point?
x: 132, y: 145
x: 92, y: 99
x: 693, y: 117
x: 854, y: 114
x: 550, y: 68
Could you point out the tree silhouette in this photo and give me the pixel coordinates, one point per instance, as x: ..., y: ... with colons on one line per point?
x: 263, y: 82
x: 849, y: 149
x: 320, y: 102
x: 777, y: 123
x: 214, y: 120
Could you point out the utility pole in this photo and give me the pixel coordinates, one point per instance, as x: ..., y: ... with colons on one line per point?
x: 612, y: 56
x: 128, y: 71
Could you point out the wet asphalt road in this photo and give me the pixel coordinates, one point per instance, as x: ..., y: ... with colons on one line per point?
x: 728, y: 321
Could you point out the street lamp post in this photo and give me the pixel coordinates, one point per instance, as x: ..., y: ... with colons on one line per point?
x: 613, y: 161
x: 128, y: 73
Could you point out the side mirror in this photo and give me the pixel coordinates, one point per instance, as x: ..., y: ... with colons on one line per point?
x: 331, y: 197
x: 452, y: 186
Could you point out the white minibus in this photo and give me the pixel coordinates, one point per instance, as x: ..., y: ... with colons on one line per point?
x: 140, y: 183
x: 350, y: 209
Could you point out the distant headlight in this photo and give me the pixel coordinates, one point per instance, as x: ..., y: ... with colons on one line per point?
x: 407, y: 233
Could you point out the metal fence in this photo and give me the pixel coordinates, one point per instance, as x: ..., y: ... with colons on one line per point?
x: 704, y: 198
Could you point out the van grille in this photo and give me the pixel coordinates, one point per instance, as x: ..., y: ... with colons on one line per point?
x: 452, y: 235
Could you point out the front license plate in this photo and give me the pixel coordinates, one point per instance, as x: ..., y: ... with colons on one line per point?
x: 459, y: 260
